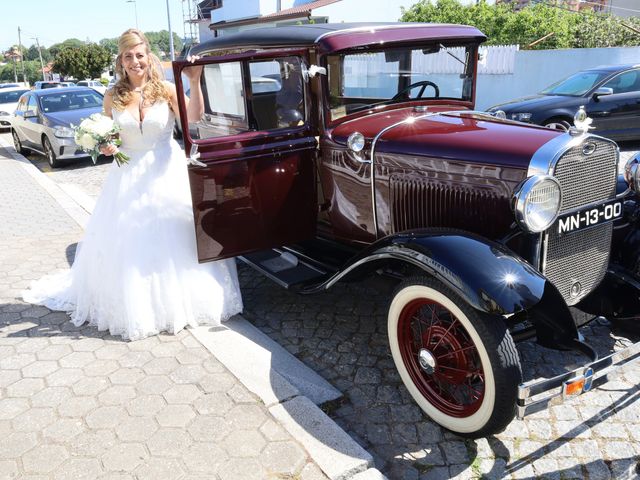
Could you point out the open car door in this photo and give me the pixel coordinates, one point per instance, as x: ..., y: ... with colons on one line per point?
x: 252, y: 179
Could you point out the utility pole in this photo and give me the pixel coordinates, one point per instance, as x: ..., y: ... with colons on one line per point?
x: 24, y: 77
x: 173, y: 53
x: 40, y: 55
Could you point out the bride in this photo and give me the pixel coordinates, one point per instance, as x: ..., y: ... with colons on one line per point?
x: 136, y: 271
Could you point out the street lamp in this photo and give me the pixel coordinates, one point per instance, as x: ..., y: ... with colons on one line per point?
x: 40, y: 55
x: 135, y: 9
x: 173, y: 54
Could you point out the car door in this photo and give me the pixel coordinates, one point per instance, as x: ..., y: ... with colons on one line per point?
x: 253, y: 185
x: 618, y: 115
x: 27, y: 123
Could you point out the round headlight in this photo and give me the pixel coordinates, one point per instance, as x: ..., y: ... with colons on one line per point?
x: 537, y: 203
x: 355, y: 142
x: 632, y: 173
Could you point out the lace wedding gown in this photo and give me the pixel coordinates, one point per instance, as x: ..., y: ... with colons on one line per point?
x: 136, y: 271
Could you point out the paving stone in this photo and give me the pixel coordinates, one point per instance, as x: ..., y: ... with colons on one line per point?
x: 77, y: 359
x: 44, y: 458
x: 63, y: 430
x: 78, y: 469
x: 106, y: 417
x: 160, y: 469
x: 53, y: 352
x: 25, y: 387
x: 244, y: 443
x: 100, y: 367
x: 7, y: 377
x: 213, y: 403
x: 247, y: 417
x: 273, y: 431
x: 204, y: 457
x: 64, y: 377
x: 50, y: 397
x: 17, y: 361
x: 77, y: 407
x: 169, y: 442
x: 160, y: 366
x: 192, y: 356
x: 12, y: 407
x: 16, y: 444
x: 209, y: 428
x: 89, y: 386
x: 182, y: 394
x: 40, y: 368
x: 117, y: 395
x: 217, y: 382
x: 187, y: 374
x: 154, y: 384
x: 135, y: 358
x: 88, y: 344
x: 92, y: 443
x: 8, y: 470
x: 136, y: 429
x: 124, y: 457
x: 34, y: 420
x: 111, y: 351
x: 175, y: 416
x: 283, y: 458
x: 146, y: 405
x: 170, y: 349
x: 126, y: 376
x: 241, y: 469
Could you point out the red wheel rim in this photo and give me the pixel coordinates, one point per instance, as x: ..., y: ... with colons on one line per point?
x: 450, y: 376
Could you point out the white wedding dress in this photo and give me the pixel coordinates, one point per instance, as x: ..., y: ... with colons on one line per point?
x: 136, y: 271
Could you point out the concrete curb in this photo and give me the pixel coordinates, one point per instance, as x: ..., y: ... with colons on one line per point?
x: 280, y: 380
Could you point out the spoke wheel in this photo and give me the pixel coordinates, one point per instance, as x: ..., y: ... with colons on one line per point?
x: 558, y: 124
x: 459, y: 365
x: 17, y: 143
x: 51, y: 155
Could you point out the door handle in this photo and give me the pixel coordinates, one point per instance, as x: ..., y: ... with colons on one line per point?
x: 193, y: 157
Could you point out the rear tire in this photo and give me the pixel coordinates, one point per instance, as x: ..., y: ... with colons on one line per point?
x: 460, y: 365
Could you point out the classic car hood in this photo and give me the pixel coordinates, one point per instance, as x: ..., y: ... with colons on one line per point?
x: 71, y: 116
x: 532, y: 102
x: 468, y: 138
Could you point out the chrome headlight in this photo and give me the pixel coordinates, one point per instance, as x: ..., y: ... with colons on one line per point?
x: 63, y: 132
x: 356, y: 142
x: 537, y: 203
x: 632, y: 173
x: 521, y: 117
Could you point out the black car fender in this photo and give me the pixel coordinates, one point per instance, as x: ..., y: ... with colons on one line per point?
x: 488, y: 276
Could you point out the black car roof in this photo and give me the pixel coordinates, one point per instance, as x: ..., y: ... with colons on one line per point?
x: 612, y: 68
x: 297, y: 35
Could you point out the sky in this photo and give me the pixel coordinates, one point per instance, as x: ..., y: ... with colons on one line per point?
x: 53, y: 21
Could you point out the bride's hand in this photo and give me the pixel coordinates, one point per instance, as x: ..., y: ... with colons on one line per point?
x: 108, y: 150
x: 193, y: 73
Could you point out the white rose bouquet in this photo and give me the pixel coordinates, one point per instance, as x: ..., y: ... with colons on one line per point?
x: 96, y: 131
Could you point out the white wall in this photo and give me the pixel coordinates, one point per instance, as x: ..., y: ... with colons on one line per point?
x: 536, y: 69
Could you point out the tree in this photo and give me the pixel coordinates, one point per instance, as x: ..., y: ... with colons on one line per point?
x: 503, y: 24
x: 159, y: 42
x: 84, y: 61
x: 110, y: 44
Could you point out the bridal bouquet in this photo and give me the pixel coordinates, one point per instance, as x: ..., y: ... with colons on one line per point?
x: 96, y: 131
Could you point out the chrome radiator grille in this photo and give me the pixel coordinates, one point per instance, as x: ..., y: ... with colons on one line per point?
x: 576, y: 262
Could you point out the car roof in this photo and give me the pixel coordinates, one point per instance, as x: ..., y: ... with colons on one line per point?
x: 613, y: 68
x: 57, y: 91
x: 13, y: 89
x: 337, y: 36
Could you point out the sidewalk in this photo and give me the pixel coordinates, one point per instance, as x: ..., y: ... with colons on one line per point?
x: 77, y: 403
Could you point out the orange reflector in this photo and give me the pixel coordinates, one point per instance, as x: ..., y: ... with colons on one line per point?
x: 574, y: 387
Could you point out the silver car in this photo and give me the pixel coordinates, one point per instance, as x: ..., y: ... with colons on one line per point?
x: 44, y: 119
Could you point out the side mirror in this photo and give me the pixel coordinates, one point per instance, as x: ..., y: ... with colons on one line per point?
x: 602, y: 91
x: 30, y: 114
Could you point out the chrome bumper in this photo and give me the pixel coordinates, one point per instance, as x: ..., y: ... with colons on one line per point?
x: 535, y: 395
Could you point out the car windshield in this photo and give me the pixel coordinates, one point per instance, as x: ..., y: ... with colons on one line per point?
x: 361, y: 80
x: 61, y: 102
x: 12, y: 96
x: 576, y: 85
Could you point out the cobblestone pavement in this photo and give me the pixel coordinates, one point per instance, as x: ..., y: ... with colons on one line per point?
x: 342, y: 335
x: 76, y: 403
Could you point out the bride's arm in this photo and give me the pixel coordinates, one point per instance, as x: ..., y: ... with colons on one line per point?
x: 107, y: 104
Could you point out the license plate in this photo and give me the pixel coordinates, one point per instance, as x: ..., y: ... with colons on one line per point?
x: 590, y: 217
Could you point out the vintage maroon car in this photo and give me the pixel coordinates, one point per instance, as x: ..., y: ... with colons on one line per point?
x: 331, y: 151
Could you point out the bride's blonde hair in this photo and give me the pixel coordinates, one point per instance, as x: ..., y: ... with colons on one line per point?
x: 154, y: 89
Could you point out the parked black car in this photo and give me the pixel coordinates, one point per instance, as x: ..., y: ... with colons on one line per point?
x: 610, y: 95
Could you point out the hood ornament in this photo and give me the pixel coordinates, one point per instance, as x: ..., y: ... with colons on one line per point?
x: 581, y: 122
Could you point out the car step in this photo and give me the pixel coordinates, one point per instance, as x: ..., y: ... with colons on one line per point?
x: 282, y: 267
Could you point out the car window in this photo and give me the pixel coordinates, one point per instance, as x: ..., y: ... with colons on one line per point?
x: 277, y: 93
x: 625, y: 82
x: 70, y: 101
x: 22, y: 104
x: 225, y: 109
x: 32, y: 104
x: 11, y: 97
x: 575, y: 85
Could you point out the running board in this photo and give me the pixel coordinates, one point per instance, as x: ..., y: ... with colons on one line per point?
x: 284, y: 268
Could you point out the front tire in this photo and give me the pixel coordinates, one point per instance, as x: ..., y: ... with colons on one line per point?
x: 558, y: 124
x: 460, y: 365
x: 17, y: 144
x: 50, y: 154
